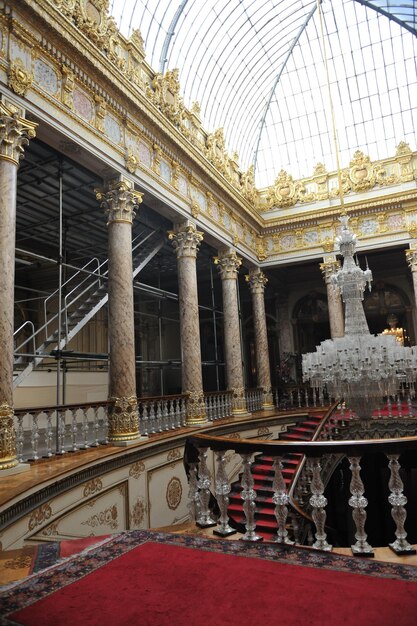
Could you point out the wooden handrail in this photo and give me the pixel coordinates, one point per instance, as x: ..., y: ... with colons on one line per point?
x: 309, y: 448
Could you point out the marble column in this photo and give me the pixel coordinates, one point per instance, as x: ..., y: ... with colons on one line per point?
x: 257, y: 282
x: 229, y: 264
x: 337, y: 324
x: 15, y: 132
x: 120, y: 201
x: 186, y: 240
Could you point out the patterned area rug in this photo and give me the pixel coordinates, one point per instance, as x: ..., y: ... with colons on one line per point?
x: 23, y: 594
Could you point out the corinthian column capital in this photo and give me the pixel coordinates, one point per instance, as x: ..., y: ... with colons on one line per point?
x: 15, y: 132
x: 229, y: 264
x: 186, y: 240
x: 256, y: 280
x: 411, y: 256
x: 120, y: 201
x: 329, y: 267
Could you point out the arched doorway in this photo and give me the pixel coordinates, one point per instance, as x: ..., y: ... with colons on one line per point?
x: 385, y: 300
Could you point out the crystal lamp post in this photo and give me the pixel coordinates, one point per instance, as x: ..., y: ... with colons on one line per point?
x: 360, y: 368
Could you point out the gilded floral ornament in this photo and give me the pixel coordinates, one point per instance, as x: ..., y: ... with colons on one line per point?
x: 261, y: 248
x: 283, y: 192
x: 165, y: 95
x: 248, y: 188
x: 20, y: 78
x: 7, y: 438
x: 361, y: 172
x: 196, y: 408
x: 404, y: 156
x: 123, y: 419
x: 131, y: 162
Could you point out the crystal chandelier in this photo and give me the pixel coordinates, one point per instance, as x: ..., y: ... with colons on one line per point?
x: 360, y: 368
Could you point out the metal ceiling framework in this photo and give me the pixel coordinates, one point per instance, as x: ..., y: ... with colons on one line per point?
x: 255, y: 68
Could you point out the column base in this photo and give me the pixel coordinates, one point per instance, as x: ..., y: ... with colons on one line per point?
x: 240, y: 413
x: 17, y: 469
x: 128, y: 442
x: 267, y: 406
x: 197, y: 424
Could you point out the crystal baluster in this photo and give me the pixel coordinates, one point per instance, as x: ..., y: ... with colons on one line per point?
x: 85, y: 429
x: 248, y: 495
x: 193, y: 495
x: 398, y: 501
x: 178, y: 422
x: 399, y: 406
x: 35, y: 437
x: 204, y: 518
x: 20, y: 437
x: 49, y: 433
x: 74, y: 430
x: 61, y: 432
x: 280, y: 499
x: 105, y: 422
x: 165, y: 423
x: 358, y: 503
x: 222, y: 492
x: 96, y: 426
x: 151, y: 411
x: 409, y: 405
x: 318, y: 502
x: 389, y: 404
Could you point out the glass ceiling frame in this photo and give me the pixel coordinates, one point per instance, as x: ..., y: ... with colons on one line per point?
x: 260, y: 87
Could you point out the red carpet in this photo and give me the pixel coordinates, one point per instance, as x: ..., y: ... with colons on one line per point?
x: 161, y: 584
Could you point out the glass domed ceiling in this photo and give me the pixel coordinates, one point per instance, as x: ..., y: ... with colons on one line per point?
x: 256, y: 69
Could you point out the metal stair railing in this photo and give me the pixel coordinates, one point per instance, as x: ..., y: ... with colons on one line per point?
x: 89, y: 301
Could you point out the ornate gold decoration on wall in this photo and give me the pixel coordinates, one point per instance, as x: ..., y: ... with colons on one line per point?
x: 123, y: 419
x: 39, y: 515
x: 261, y: 248
x: 404, y: 157
x: 165, y: 95
x: 93, y: 486
x: 68, y: 87
x: 20, y: 78
x: 361, y: 172
x: 108, y: 518
x: 234, y: 436
x: 138, y: 512
x: 137, y: 469
x: 264, y: 432
x: 174, y: 493
x: 7, y: 437
x: 174, y: 455
x: 283, y: 192
x: 131, y: 162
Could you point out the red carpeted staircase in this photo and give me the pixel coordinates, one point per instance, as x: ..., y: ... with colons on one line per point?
x: 263, y: 475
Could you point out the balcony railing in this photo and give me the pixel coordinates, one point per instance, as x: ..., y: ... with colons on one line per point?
x: 321, y: 458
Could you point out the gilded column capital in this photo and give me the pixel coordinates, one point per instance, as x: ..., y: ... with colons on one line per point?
x: 229, y: 264
x: 120, y: 202
x: 186, y: 240
x: 328, y: 268
x: 411, y: 256
x: 15, y: 132
x: 257, y: 281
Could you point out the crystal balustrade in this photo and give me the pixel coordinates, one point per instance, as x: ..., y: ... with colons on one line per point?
x: 321, y: 458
